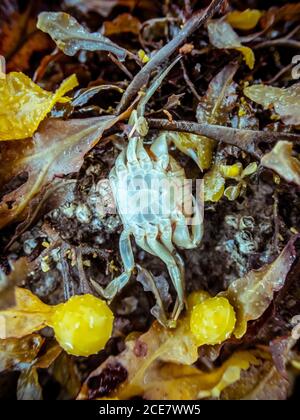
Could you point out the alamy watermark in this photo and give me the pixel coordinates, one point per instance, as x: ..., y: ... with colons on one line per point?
x: 149, y: 198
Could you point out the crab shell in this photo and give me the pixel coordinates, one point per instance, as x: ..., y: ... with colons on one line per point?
x: 154, y: 200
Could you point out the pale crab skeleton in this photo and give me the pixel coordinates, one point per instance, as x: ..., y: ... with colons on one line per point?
x: 155, y: 231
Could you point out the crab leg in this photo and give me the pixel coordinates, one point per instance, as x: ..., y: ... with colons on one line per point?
x: 174, y: 267
x: 160, y: 149
x: 165, y: 229
x: 140, y: 239
x: 143, y: 157
x: 132, y: 161
x: 116, y: 285
x: 181, y: 236
x: 120, y: 165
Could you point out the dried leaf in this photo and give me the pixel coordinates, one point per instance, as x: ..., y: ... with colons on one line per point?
x: 220, y: 98
x: 252, y: 294
x: 214, y: 185
x: 260, y: 382
x: 173, y: 101
x: 286, y: 13
x: 70, y: 36
x: 29, y: 388
x: 124, y: 23
x: 233, y: 192
x: 12, y: 24
x: 280, y: 349
x: 19, y: 271
x: 177, y: 345
x: 49, y: 357
x: 58, y: 148
x: 103, y: 7
x: 222, y: 36
x: 36, y: 42
x: 152, y: 377
x: 66, y: 374
x: 199, y: 148
x: 27, y: 316
x: 23, y: 104
x: 177, y: 382
x: 17, y: 351
x: 282, y: 161
x: 286, y: 101
x: 272, y: 386
x: 244, y: 20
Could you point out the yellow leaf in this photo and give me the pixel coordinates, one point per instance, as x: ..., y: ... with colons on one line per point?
x: 245, y: 20
x: 199, y: 148
x: 249, y: 56
x: 24, y: 105
x: 27, y: 316
x: 143, y: 57
x: 231, y: 171
x: 223, y: 36
x: 214, y: 185
x: 233, y: 192
x: 178, y: 382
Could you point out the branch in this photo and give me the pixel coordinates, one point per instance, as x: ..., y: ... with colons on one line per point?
x: 285, y: 41
x: 246, y: 140
x: 162, y: 55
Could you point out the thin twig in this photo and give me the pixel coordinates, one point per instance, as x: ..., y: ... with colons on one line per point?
x: 83, y: 281
x: 189, y: 82
x: 285, y: 41
x: 68, y: 285
x: 121, y: 66
x: 279, y: 74
x: 247, y: 140
x: 291, y: 43
x: 141, y: 79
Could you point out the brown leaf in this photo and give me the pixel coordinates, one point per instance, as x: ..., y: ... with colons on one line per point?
x: 16, y: 351
x: 280, y: 350
x: 19, y: 38
x: 173, y: 101
x: 262, y: 382
x: 19, y: 271
x: 288, y: 12
x: 252, y: 294
x: 58, y: 148
x: 220, y: 98
x: 125, y: 23
x: 12, y: 26
x: 29, y: 388
x: 36, y: 42
x: 66, y: 374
